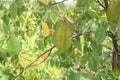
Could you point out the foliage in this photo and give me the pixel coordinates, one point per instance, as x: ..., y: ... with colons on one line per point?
x: 27, y: 50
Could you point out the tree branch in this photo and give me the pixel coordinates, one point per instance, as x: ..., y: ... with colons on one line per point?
x: 114, y: 41
x: 29, y: 65
x: 43, y: 59
x: 106, y: 4
x: 97, y: 1
x: 79, y: 33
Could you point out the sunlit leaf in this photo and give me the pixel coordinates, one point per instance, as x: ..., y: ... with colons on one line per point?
x: 14, y: 44
x: 92, y: 63
x: 100, y: 34
x: 45, y: 29
x: 13, y: 10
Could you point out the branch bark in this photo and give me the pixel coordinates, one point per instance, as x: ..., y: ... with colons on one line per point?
x: 29, y: 65
x: 106, y: 4
x: 114, y: 41
x: 97, y: 1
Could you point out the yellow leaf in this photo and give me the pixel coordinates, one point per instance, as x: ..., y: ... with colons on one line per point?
x: 46, y: 2
x: 45, y: 29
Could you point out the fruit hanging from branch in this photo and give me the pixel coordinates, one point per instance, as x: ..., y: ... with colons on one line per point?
x: 62, y: 35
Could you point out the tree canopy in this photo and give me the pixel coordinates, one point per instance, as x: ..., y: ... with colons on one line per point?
x: 59, y: 40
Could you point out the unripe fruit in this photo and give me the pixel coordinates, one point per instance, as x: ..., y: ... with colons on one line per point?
x: 62, y: 35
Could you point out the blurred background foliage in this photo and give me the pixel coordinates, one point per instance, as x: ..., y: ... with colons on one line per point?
x: 22, y: 39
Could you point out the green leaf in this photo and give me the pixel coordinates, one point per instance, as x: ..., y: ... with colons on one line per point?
x: 4, y: 77
x: 54, y: 16
x: 113, y: 27
x: 62, y: 7
x: 100, y: 34
x: 20, y: 11
x: 91, y: 14
x: 97, y: 49
x: 46, y: 15
x: 71, y: 76
x: 3, y: 27
x: 88, y: 76
x: 6, y: 19
x: 20, y: 3
x: 40, y: 44
x: 14, y: 44
x: 92, y: 63
x: 80, y: 76
x: 3, y: 56
x: 14, y: 58
x: 85, y: 58
x: 76, y: 43
x: 13, y: 10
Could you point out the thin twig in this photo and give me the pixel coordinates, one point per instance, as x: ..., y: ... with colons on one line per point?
x: 43, y: 59
x: 29, y: 65
x: 97, y: 1
x: 25, y: 58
